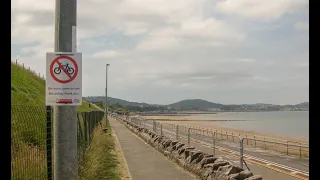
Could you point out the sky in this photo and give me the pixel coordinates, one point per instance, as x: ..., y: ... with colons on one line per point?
x: 161, y: 51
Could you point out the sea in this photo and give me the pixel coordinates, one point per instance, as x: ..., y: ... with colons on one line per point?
x: 290, y: 124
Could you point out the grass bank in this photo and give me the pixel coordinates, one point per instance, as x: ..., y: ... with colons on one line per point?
x: 103, y: 159
x: 28, y: 124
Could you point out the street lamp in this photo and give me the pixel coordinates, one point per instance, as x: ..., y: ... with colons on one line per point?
x: 106, y: 105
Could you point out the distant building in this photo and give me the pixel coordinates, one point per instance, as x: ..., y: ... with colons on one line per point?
x: 214, y: 109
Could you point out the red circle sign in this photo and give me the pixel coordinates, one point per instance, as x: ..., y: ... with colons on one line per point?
x: 62, y: 68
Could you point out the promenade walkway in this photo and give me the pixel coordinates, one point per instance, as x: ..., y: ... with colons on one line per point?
x: 144, y: 162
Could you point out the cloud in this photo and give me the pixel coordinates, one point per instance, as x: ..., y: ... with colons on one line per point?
x: 301, y: 26
x: 191, y: 33
x: 106, y: 54
x: 262, y: 9
x: 157, y: 48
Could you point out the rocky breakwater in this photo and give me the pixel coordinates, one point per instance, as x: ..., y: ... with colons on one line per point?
x: 205, y: 166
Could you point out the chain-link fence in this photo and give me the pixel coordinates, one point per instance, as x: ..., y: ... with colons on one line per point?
x: 28, y: 142
x: 31, y: 140
x: 87, y: 121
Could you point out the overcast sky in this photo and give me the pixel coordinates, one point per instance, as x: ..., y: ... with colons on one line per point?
x: 162, y: 51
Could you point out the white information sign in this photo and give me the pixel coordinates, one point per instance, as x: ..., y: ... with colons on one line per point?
x: 64, y: 79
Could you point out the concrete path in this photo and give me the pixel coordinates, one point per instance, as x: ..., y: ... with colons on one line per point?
x: 144, y: 162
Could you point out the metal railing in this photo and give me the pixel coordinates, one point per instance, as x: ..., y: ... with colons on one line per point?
x: 279, y: 145
x: 173, y: 130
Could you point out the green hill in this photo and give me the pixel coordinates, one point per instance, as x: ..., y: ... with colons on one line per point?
x: 198, y: 104
x: 28, y: 123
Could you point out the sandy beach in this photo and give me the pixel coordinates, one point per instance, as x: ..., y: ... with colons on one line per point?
x: 186, y: 120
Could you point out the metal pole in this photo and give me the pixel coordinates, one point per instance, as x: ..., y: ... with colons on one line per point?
x: 241, y: 152
x: 214, y: 143
x: 188, y: 136
x: 106, y: 105
x: 65, y: 117
x: 177, y: 132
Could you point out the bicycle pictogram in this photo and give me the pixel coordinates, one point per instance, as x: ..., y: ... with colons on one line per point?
x: 70, y: 70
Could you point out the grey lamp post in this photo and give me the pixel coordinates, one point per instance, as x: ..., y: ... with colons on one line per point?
x: 106, y: 105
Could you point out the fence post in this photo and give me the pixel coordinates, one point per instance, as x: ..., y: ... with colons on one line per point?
x: 255, y: 143
x: 214, y: 142
x: 265, y: 145
x: 161, y: 129
x: 188, y: 136
x: 89, y: 126
x: 177, y: 132
x: 241, y: 153
x: 247, y: 139
x: 154, y: 126
x: 300, y: 149
x: 49, y: 143
x: 232, y: 138
x: 85, y: 127
x: 287, y: 148
x: 90, y: 122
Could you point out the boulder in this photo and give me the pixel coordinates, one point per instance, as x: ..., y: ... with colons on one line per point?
x: 207, y: 160
x: 178, y: 146
x: 255, y: 177
x: 223, y: 172
x: 206, y: 171
x: 193, y: 155
x: 241, y: 175
x: 217, y: 164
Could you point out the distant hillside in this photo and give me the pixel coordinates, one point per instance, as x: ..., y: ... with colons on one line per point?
x: 304, y: 105
x: 197, y: 104
x: 111, y: 100
x: 194, y: 104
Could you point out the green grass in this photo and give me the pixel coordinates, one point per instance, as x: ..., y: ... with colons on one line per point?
x: 28, y: 124
x: 100, y: 161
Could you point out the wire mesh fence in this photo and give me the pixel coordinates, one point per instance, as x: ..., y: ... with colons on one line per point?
x: 31, y: 140
x: 28, y: 142
x: 87, y: 121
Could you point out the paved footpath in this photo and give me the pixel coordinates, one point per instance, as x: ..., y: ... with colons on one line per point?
x: 144, y: 162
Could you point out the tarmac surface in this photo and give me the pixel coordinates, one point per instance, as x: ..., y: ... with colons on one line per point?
x: 143, y: 161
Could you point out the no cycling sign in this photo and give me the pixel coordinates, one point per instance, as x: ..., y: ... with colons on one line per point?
x: 64, y: 79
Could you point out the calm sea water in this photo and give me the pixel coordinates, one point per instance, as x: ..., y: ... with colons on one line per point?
x: 292, y: 124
